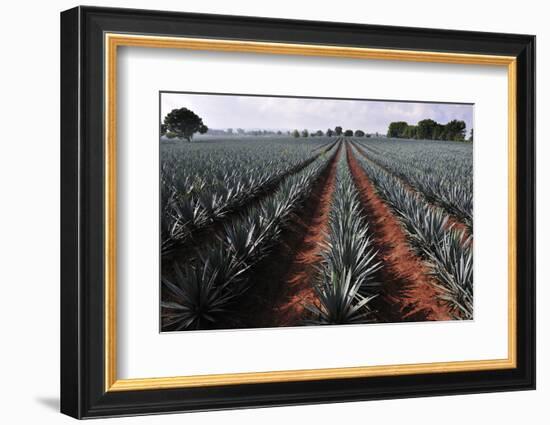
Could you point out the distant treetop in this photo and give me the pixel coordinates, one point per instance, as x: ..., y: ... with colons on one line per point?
x: 429, y: 129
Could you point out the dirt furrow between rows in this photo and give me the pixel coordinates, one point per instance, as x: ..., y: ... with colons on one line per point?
x: 452, y: 220
x: 282, y: 283
x: 408, y: 292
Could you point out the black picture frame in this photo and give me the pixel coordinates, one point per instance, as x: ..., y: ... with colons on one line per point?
x: 83, y: 392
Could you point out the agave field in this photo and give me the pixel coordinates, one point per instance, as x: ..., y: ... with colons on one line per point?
x: 283, y: 231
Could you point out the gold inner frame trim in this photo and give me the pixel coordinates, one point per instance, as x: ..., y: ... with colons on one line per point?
x: 112, y: 41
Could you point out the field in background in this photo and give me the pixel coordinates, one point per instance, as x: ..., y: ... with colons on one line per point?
x: 282, y: 231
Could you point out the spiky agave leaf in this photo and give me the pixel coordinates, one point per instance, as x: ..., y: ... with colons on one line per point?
x: 425, y: 226
x: 454, y: 269
x: 242, y: 239
x: 197, y: 300
x: 173, y: 227
x: 349, y: 247
x: 339, y: 300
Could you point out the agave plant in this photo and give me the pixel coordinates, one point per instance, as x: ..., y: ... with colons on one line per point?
x: 426, y: 226
x: 173, y: 225
x: 339, y: 300
x: 190, y: 213
x: 243, y: 239
x: 454, y: 269
x: 178, y: 219
x: 197, y: 298
x: 356, y: 254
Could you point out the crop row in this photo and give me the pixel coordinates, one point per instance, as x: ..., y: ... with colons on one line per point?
x: 439, y: 174
x: 203, y: 291
x: 447, y: 250
x: 345, y: 280
x: 192, y: 199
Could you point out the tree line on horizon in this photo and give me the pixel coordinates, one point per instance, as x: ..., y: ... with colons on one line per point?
x: 184, y: 123
x: 428, y: 129
x: 338, y: 131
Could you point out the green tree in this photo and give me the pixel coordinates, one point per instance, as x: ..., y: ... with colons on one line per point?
x: 319, y: 133
x: 397, y: 129
x: 455, y: 130
x: 471, y: 139
x: 338, y: 131
x: 426, y: 129
x: 439, y: 132
x: 329, y: 132
x: 411, y: 132
x: 348, y: 133
x: 359, y: 133
x: 163, y: 129
x: 296, y: 133
x: 184, y: 123
x: 305, y: 133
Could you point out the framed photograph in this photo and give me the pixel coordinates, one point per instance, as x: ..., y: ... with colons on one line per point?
x: 261, y: 212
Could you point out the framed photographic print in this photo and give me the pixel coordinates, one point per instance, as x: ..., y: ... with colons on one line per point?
x: 261, y: 212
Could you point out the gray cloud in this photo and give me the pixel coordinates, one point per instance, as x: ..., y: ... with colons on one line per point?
x: 226, y: 111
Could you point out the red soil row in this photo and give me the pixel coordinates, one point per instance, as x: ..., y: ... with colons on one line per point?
x: 282, y: 284
x: 408, y: 292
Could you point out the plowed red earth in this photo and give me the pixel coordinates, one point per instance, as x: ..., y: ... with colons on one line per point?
x: 282, y: 284
x: 408, y: 292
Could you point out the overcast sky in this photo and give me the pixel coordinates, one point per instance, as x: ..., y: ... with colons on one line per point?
x: 250, y: 112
